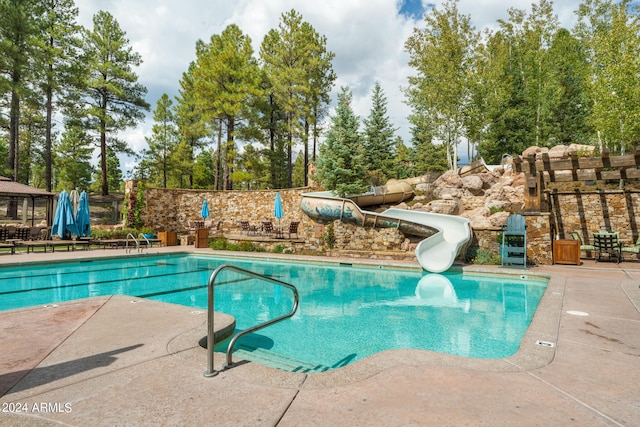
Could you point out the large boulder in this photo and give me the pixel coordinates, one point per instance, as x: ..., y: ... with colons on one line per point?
x: 479, y: 217
x: 473, y: 184
x: 449, y: 207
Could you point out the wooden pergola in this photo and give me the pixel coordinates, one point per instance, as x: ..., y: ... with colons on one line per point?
x: 539, y: 172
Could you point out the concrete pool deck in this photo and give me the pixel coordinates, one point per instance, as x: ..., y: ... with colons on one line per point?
x: 125, y: 361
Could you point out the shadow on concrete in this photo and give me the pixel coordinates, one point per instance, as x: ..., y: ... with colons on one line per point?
x: 12, y: 382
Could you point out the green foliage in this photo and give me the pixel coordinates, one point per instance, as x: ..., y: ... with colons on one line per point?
x: 299, y: 78
x: 115, y: 98
x: 162, y: 144
x: 485, y: 257
x: 73, y: 155
x: 329, y: 236
x: 226, y: 78
x: 133, y: 210
x: 443, y: 53
x: 341, y: 165
x: 279, y: 249
x: 222, y: 244
x: 100, y: 234
x: 378, y: 140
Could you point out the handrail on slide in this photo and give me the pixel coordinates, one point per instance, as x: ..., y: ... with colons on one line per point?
x: 210, y: 372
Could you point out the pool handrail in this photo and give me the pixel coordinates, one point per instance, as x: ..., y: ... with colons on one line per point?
x: 210, y: 372
x: 127, y: 243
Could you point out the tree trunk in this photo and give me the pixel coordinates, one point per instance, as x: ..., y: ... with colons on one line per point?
x: 14, y: 140
x: 48, y: 175
x: 306, y: 152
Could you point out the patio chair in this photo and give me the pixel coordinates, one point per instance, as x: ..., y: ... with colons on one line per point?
x: 633, y: 249
x: 267, y: 228
x: 217, y: 230
x: 247, y: 228
x: 587, y: 248
x: 514, y: 242
x: 293, y: 228
x: 607, y: 244
x: 4, y: 234
x: 35, y: 233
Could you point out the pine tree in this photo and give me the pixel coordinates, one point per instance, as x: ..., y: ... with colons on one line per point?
x: 298, y: 67
x: 115, y: 98
x: 73, y: 155
x: 378, y: 139
x: 20, y: 25
x: 342, y: 162
x: 163, y: 140
x: 191, y: 126
x: 60, y: 43
x: 226, y: 79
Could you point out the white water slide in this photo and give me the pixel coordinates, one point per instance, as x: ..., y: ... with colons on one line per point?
x: 444, y: 235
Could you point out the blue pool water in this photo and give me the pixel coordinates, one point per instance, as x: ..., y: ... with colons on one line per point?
x: 346, y: 313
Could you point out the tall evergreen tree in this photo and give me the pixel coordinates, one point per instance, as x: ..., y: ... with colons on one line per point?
x: 114, y: 96
x: 298, y: 66
x: 378, y: 139
x: 191, y: 125
x: 20, y: 26
x: 163, y: 140
x: 342, y: 162
x: 73, y: 155
x: 60, y: 44
x: 226, y: 79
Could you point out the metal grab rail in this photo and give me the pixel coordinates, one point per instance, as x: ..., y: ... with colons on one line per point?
x: 127, y: 243
x: 210, y: 372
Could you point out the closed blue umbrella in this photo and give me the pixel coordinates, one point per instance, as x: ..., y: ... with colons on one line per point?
x: 205, y: 210
x: 64, y: 222
x: 277, y: 208
x: 83, y: 219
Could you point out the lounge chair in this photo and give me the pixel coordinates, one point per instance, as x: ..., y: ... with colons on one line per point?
x: 634, y: 249
x: 607, y: 244
x: 587, y: 248
x: 22, y: 233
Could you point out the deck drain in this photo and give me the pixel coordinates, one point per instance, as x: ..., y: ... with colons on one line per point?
x: 545, y: 343
x: 50, y: 306
x: 577, y: 313
x: 135, y: 301
x: 196, y: 312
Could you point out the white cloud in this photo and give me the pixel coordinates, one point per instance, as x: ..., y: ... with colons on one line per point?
x: 367, y: 37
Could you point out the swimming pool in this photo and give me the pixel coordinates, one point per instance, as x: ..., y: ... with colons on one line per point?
x: 346, y: 312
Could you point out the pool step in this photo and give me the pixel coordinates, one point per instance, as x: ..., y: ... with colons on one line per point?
x: 275, y: 360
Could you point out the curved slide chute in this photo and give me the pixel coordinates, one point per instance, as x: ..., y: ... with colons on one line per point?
x: 444, y: 235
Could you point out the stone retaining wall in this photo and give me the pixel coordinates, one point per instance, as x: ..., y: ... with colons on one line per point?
x: 170, y: 209
x: 589, y: 212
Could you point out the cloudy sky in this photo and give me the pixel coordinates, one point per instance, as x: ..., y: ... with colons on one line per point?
x: 367, y: 37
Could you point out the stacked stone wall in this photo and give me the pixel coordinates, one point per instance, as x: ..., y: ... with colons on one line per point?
x: 590, y: 212
x: 170, y: 210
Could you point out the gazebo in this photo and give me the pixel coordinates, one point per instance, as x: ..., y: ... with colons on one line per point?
x: 12, y: 193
